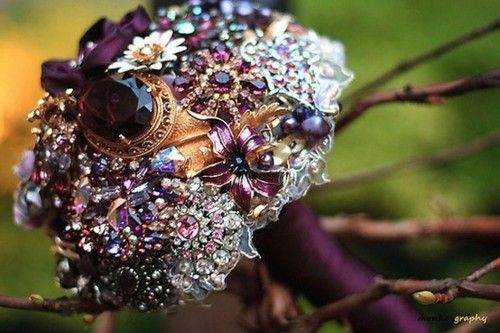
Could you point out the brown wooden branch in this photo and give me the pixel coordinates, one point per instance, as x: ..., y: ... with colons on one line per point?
x: 432, y: 94
x: 359, y: 226
x: 60, y: 305
x: 419, y: 59
x: 436, y: 291
x: 437, y: 159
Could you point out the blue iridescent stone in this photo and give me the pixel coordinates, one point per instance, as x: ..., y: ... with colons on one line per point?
x: 168, y: 160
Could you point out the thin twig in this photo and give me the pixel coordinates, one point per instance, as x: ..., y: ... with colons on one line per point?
x: 59, y: 305
x: 419, y: 59
x: 436, y: 159
x: 486, y: 269
x: 432, y: 94
x: 382, y: 287
x: 359, y: 226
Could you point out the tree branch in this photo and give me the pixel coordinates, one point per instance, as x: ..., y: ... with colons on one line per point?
x: 437, y: 291
x: 60, y: 305
x: 432, y: 94
x: 419, y: 59
x: 436, y: 159
x: 359, y: 226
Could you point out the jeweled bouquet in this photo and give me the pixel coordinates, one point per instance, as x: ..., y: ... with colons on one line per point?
x: 167, y: 142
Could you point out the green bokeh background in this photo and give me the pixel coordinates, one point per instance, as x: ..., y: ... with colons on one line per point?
x: 377, y: 34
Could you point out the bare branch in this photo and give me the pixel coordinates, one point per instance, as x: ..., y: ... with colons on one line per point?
x: 359, y: 226
x: 436, y: 159
x: 432, y: 94
x: 59, y: 305
x: 440, y: 291
x: 419, y: 59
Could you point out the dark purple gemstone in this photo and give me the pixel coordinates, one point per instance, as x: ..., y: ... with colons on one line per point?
x: 315, y: 127
x: 182, y: 84
x: 112, y: 108
x: 221, y: 82
x: 256, y: 87
x: 114, y: 246
x: 221, y: 53
x: 302, y: 112
x: 199, y: 105
x: 146, y: 215
x: 289, y: 124
x: 266, y: 161
x: 198, y: 63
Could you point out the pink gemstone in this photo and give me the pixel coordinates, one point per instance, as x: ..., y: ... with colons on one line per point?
x: 217, y: 218
x: 217, y: 233
x: 188, y: 227
x: 164, y: 23
x: 197, y: 254
x: 210, y: 247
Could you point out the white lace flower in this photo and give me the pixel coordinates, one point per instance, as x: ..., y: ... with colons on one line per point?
x: 150, y: 52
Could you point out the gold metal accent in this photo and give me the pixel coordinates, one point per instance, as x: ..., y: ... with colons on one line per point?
x: 189, y: 136
x: 265, y: 114
x: 159, y: 129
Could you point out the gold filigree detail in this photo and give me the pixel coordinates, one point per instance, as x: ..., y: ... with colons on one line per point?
x: 265, y: 114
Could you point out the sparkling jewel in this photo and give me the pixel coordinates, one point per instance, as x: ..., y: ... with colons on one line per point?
x: 111, y: 108
x: 188, y: 227
x: 168, y: 160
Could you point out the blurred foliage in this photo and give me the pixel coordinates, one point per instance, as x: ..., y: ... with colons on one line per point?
x: 377, y: 34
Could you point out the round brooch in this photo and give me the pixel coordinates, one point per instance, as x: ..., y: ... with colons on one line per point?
x: 167, y: 142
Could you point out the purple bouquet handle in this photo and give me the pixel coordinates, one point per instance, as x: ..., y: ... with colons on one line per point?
x: 301, y: 254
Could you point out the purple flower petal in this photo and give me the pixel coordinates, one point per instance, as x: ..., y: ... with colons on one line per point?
x: 222, y: 139
x: 57, y: 76
x: 248, y: 140
x: 108, y: 40
x: 267, y: 184
x: 134, y: 22
x: 96, y: 33
x: 242, y: 192
x: 218, y: 174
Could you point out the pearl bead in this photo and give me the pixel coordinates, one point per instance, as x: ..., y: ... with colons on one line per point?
x: 266, y: 161
x: 289, y: 124
x: 315, y: 127
x: 302, y: 112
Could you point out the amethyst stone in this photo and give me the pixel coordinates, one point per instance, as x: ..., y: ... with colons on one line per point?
x: 221, y: 82
x: 256, y: 87
x: 112, y: 107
